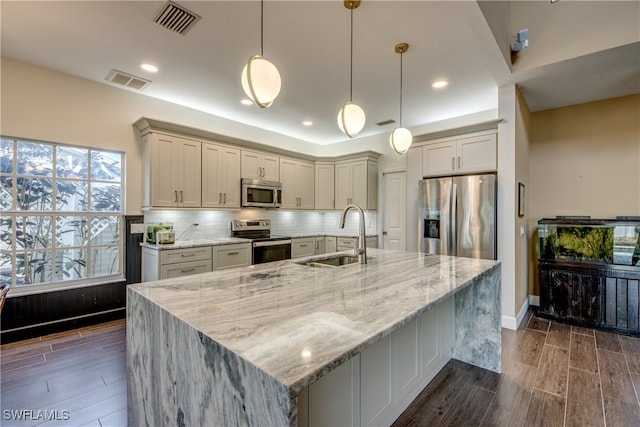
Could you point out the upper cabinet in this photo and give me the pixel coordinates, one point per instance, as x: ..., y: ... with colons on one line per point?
x: 356, y: 181
x: 220, y: 176
x: 297, y: 179
x: 325, y: 185
x: 457, y: 156
x: 261, y: 166
x: 172, y: 171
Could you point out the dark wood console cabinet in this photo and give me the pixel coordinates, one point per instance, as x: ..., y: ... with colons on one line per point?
x: 590, y: 291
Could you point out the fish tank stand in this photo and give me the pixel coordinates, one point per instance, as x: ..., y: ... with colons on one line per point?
x: 589, y: 272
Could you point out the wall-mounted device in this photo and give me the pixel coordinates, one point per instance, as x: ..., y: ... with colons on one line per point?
x: 522, y: 41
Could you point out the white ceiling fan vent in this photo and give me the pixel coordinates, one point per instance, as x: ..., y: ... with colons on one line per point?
x: 127, y: 80
x: 176, y: 18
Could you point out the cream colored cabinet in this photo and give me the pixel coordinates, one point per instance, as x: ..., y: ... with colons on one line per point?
x: 356, y: 182
x: 262, y: 166
x: 330, y: 244
x: 220, y: 176
x: 375, y: 386
x: 297, y: 179
x: 320, y: 247
x: 463, y: 155
x: 171, y: 171
x: 325, y: 185
x: 305, y: 246
x: 348, y: 243
x: 229, y: 256
x: 171, y: 263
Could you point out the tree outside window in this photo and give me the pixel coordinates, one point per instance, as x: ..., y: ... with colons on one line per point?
x: 61, y: 213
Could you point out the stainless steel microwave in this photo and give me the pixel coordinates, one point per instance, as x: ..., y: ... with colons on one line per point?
x: 261, y: 194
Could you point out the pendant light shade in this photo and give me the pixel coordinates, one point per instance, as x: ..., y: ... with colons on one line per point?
x: 351, y: 117
x: 401, y: 138
x: 260, y: 78
x: 261, y: 81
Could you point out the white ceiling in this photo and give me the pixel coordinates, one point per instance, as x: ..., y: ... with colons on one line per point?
x: 309, y: 43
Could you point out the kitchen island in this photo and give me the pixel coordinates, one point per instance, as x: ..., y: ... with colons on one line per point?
x: 245, y: 346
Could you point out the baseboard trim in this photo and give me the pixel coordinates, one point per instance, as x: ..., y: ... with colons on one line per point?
x: 534, y: 300
x: 510, y: 322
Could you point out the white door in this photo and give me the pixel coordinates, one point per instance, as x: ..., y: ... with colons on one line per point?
x: 395, y: 207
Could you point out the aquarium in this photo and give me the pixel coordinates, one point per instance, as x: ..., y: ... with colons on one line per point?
x: 599, y: 241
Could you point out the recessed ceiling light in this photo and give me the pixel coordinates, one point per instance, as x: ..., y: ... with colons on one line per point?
x: 246, y: 102
x: 307, y: 123
x: 439, y: 84
x: 149, y: 67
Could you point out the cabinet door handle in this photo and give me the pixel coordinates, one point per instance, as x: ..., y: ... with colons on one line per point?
x: 187, y: 270
x: 219, y: 198
x: 458, y: 162
x: 181, y: 196
x: 233, y: 253
x: 187, y: 255
x: 453, y: 163
x: 175, y: 196
x: 225, y: 198
x: 317, y: 245
x: 304, y: 246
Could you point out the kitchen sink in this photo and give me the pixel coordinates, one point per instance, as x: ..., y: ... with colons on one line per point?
x: 335, y: 261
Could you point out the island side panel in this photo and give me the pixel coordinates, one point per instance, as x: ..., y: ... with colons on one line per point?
x: 178, y: 376
x: 478, y: 338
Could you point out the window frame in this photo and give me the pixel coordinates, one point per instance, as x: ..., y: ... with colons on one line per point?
x: 89, y: 246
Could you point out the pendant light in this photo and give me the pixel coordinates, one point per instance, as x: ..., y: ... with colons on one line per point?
x: 351, y: 117
x: 260, y: 78
x: 401, y: 137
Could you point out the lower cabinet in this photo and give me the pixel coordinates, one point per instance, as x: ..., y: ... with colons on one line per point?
x: 303, y: 247
x: 229, y: 256
x: 374, y: 387
x: 347, y: 243
x: 330, y: 244
x: 320, y: 246
x: 171, y: 263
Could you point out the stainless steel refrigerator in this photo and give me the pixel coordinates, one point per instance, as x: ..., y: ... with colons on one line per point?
x: 458, y: 216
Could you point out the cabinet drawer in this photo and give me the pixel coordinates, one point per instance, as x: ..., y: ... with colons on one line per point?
x: 303, y: 247
x: 230, y: 256
x: 188, y: 268
x: 345, y: 243
x: 181, y: 255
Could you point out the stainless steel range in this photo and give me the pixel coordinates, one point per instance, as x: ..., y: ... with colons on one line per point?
x: 266, y: 247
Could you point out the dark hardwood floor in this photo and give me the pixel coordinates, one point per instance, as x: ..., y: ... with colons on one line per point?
x: 553, y: 375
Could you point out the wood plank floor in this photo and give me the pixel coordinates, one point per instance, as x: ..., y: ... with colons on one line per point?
x: 554, y: 375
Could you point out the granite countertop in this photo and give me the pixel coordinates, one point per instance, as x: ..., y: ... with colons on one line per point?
x: 194, y: 243
x: 296, y: 322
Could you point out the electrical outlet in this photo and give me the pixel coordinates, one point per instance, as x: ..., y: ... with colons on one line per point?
x: 137, y: 228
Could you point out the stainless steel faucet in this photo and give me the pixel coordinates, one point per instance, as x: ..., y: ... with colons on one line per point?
x: 361, y: 252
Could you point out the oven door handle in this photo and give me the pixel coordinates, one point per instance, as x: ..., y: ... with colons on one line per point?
x: 271, y: 243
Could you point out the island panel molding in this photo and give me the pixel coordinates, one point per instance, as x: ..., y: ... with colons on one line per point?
x: 270, y: 330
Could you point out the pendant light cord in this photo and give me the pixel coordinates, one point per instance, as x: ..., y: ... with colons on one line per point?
x: 262, y: 28
x: 351, y: 61
x: 401, y: 54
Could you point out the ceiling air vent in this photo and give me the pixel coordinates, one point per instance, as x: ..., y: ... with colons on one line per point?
x: 176, y: 18
x: 127, y: 80
x: 386, y: 122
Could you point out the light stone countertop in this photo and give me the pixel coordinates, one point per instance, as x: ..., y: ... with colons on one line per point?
x: 269, y: 314
x: 194, y: 243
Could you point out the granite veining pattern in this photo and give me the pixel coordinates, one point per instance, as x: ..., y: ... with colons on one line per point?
x: 280, y: 326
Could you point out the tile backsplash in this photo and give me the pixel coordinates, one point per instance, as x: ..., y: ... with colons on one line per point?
x: 216, y: 224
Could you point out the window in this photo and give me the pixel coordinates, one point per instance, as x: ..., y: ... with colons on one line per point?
x: 61, y: 214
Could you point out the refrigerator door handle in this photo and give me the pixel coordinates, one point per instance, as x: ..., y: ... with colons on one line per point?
x: 454, y: 221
